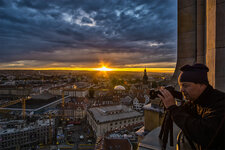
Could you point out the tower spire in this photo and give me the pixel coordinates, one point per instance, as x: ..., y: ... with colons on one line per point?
x: 145, y: 77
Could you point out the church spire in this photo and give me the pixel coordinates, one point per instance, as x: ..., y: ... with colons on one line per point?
x: 145, y: 77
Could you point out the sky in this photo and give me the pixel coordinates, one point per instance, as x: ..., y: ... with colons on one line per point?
x: 42, y: 34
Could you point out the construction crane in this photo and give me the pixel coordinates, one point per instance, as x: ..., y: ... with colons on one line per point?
x: 50, y: 116
x: 22, y: 100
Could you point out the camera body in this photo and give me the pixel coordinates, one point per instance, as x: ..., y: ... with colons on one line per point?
x: 154, y: 93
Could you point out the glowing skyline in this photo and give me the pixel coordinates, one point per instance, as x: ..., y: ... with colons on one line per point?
x: 159, y: 70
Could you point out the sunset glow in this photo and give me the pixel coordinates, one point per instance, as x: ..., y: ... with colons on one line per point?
x: 159, y: 70
x: 104, y: 69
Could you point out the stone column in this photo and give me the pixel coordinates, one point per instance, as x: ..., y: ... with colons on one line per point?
x: 215, y: 42
x: 211, y: 39
x: 201, y: 27
x: 187, y: 46
x: 220, y: 45
x: 201, y: 38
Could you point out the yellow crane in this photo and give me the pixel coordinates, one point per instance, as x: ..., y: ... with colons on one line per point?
x: 50, y: 116
x: 22, y: 100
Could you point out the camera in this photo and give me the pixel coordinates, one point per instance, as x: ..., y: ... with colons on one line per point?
x: 154, y: 93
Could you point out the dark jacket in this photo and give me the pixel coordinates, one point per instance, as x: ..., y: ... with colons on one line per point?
x: 203, y: 120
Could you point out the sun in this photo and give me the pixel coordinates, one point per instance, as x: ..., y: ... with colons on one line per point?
x: 104, y: 68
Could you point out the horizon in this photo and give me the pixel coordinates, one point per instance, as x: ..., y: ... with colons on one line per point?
x: 149, y: 70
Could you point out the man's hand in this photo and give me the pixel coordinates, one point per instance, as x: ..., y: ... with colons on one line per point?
x: 167, y: 98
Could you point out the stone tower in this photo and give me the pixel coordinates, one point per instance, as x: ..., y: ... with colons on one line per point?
x: 201, y: 37
x: 145, y: 77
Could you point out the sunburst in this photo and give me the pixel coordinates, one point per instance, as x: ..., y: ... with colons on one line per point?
x: 104, y: 68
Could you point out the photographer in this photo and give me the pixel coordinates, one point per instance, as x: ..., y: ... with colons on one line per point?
x: 202, y: 117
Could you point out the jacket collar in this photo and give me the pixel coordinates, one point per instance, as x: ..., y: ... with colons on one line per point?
x: 203, y: 99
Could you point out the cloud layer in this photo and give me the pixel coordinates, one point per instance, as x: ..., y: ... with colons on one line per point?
x: 70, y: 33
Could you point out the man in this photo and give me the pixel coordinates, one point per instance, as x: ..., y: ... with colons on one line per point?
x: 202, y: 117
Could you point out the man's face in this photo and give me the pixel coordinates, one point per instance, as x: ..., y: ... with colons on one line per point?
x: 191, y: 91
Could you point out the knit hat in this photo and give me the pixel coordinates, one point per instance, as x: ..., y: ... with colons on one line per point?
x: 196, y: 73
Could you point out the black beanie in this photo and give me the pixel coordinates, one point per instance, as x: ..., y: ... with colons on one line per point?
x: 196, y: 73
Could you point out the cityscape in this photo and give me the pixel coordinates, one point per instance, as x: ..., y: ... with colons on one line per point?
x: 111, y: 75
x: 77, y: 74
x: 74, y: 109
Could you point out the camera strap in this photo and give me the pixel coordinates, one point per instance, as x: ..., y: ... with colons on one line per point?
x: 166, y: 129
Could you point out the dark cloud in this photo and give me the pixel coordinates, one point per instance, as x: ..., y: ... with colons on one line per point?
x: 120, y: 32
x: 37, y: 4
x: 86, y: 20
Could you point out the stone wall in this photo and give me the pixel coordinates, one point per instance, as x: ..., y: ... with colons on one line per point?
x: 220, y: 45
x: 201, y: 37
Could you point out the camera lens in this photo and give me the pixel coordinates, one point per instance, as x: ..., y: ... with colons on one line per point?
x: 154, y: 93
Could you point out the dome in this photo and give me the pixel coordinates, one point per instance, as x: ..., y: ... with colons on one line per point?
x: 119, y: 87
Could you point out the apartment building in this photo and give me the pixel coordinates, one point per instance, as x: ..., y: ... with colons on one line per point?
x: 25, y: 136
x: 109, y: 118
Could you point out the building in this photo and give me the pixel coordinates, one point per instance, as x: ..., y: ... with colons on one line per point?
x: 25, y: 136
x: 69, y: 91
x: 105, y: 119
x: 100, y: 91
x: 10, y: 91
x: 104, y: 100
x: 126, y: 101
x: 76, y: 109
x: 139, y: 101
x: 142, y: 87
x: 118, y: 92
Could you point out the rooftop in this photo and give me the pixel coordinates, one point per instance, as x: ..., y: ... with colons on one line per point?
x: 119, y: 87
x: 153, y: 107
x: 152, y: 141
x: 111, y: 113
x: 44, y: 96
